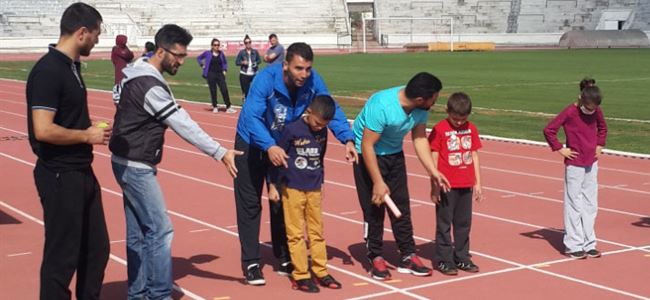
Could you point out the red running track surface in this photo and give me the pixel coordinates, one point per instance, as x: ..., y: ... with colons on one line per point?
x: 516, y: 235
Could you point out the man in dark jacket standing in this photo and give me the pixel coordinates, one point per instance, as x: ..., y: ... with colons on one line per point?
x: 145, y: 109
x: 61, y: 135
x: 120, y: 56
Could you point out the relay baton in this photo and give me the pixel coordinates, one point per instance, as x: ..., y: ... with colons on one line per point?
x: 389, y: 202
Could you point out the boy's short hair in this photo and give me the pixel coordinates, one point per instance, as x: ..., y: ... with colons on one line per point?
x: 324, y: 106
x: 149, y: 46
x: 591, y: 95
x: 171, y: 34
x: 79, y: 15
x: 459, y: 103
x: 587, y: 81
x: 272, y: 35
x: 301, y: 49
x: 423, y: 85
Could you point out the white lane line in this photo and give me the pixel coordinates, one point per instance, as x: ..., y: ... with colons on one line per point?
x: 199, y: 230
x: 351, y: 212
x: 19, y: 254
x: 118, y: 241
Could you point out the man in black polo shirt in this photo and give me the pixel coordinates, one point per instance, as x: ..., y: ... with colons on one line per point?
x: 61, y: 135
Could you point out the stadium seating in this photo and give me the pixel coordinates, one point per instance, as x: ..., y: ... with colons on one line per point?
x: 518, y: 16
x: 225, y: 18
x: 326, y: 21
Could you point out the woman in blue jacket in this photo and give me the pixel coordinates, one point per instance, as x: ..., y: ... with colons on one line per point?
x: 248, y: 61
x: 214, y: 65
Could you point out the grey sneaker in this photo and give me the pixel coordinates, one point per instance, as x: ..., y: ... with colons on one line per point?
x: 593, y: 253
x: 577, y: 254
x: 230, y: 110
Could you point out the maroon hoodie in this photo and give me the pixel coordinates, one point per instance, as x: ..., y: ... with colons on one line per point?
x: 120, y: 56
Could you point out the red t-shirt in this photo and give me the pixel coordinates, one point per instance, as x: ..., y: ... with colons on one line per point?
x: 454, y: 147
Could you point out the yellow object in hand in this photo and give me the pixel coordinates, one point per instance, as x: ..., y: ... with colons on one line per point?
x: 102, y: 124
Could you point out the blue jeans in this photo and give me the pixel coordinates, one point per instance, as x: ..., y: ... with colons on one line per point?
x: 149, y: 233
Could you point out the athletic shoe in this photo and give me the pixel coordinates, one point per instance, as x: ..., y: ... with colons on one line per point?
x: 305, y: 285
x: 593, y: 253
x: 447, y: 268
x: 379, y: 270
x: 577, y: 254
x: 329, y: 282
x: 254, y: 275
x: 412, y: 264
x: 285, y: 269
x: 215, y: 110
x: 230, y: 110
x: 467, y: 266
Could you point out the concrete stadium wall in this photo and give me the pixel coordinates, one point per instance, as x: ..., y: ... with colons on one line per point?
x: 29, y: 24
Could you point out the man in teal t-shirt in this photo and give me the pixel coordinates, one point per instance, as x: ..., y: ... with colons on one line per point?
x: 379, y: 131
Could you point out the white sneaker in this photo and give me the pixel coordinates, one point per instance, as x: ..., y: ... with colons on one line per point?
x: 230, y: 110
x: 215, y: 110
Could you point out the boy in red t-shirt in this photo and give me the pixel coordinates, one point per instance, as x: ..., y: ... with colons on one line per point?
x: 454, y: 146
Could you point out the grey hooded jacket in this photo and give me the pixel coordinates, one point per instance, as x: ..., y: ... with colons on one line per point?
x: 145, y: 108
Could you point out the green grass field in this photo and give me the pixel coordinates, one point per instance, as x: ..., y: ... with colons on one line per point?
x: 526, y: 81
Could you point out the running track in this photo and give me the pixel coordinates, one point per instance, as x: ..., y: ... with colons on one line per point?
x: 516, y: 235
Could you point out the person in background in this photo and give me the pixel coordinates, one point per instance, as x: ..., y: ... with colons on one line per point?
x: 149, y: 48
x: 214, y: 65
x: 275, y: 54
x: 248, y: 61
x: 121, y: 55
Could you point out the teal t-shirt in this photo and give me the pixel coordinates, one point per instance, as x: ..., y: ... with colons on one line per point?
x: 384, y: 115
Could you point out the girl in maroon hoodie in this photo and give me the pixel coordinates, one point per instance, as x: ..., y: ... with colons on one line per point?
x: 120, y: 56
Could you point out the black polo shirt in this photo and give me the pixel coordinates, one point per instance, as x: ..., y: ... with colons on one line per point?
x: 55, y: 84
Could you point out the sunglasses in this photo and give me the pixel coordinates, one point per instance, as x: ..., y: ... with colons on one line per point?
x: 215, y: 45
x: 247, y: 42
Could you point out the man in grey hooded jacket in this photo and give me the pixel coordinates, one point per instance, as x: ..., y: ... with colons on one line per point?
x: 145, y: 109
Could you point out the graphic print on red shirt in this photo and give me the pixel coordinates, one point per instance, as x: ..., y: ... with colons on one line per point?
x: 454, y: 147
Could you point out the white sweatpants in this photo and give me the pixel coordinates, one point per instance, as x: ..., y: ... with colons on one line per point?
x: 580, y: 207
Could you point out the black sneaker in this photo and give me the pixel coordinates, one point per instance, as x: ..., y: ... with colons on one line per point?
x: 305, y: 285
x: 412, y: 264
x: 447, y: 268
x: 577, y: 254
x: 329, y: 282
x: 467, y: 266
x: 379, y: 270
x: 285, y: 269
x: 254, y: 275
x: 593, y: 253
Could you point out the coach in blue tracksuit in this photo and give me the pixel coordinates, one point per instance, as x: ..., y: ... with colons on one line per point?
x: 279, y: 95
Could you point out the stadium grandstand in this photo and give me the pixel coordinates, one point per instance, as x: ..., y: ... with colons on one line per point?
x: 339, y: 24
